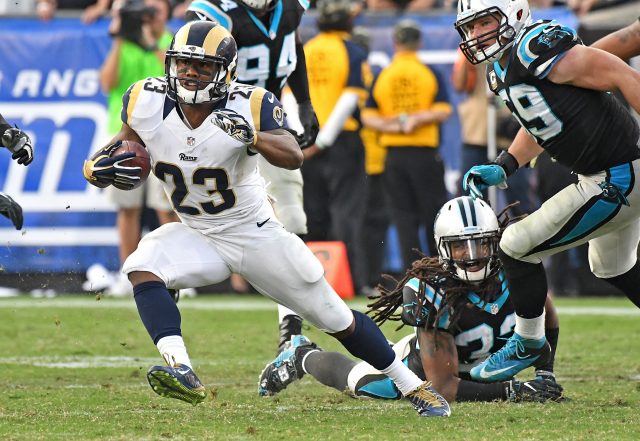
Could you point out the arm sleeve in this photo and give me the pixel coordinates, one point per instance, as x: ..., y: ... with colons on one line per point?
x: 272, y: 115
x: 410, y: 314
x: 344, y: 108
x: 473, y: 391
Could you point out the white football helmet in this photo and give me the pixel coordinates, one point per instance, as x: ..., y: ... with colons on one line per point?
x: 513, y: 16
x: 202, y: 41
x: 467, y: 234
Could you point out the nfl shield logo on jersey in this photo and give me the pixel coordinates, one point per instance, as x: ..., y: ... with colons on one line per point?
x: 494, y: 309
x: 191, y: 141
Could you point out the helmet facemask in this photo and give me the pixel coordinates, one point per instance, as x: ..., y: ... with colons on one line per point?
x: 470, y: 257
x: 196, y: 90
x: 473, y: 46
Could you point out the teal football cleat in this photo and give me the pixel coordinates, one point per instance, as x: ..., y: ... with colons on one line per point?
x: 286, y: 367
x: 516, y: 355
x: 178, y: 382
x: 428, y: 402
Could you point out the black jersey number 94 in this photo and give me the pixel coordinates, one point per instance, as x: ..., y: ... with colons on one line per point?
x: 215, y: 180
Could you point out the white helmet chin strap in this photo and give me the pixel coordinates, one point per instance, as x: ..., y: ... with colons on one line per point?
x: 192, y: 96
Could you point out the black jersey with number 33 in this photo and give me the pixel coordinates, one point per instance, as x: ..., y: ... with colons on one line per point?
x: 266, y: 48
x: 562, y: 117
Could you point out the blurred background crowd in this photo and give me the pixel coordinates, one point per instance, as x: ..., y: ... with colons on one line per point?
x: 384, y: 207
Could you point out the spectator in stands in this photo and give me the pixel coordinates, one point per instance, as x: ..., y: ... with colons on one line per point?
x: 137, y: 52
x: 333, y: 171
x: 407, y: 103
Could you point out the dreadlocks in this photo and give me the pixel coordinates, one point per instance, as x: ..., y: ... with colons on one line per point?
x: 430, y: 272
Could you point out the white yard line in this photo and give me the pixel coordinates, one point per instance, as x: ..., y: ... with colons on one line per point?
x: 253, y: 305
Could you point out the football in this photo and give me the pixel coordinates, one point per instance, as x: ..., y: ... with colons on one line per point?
x: 141, y: 159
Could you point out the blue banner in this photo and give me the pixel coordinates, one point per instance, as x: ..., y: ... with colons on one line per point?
x: 49, y: 86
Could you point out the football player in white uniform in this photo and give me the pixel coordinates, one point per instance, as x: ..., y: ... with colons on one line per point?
x: 203, y: 133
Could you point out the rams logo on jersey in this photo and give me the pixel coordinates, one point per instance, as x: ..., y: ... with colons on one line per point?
x: 278, y: 115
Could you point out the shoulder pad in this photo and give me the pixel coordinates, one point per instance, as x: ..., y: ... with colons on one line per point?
x: 257, y: 105
x: 543, y: 44
x: 143, y: 103
x: 214, y: 10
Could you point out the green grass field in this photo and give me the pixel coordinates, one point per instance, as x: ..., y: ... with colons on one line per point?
x: 74, y: 368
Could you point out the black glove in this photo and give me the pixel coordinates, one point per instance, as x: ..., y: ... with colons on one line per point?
x: 11, y: 209
x: 103, y: 169
x: 309, y: 122
x: 19, y: 144
x: 539, y: 389
x: 235, y: 126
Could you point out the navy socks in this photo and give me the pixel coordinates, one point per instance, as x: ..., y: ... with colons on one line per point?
x: 158, y: 311
x: 368, y: 343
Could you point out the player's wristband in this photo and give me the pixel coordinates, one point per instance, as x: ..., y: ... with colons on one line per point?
x: 508, y: 162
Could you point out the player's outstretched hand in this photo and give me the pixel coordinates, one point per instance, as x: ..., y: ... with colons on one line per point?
x: 481, y: 177
x: 19, y: 144
x: 235, y: 126
x: 310, y: 124
x: 103, y: 169
x: 11, y: 209
x: 539, y: 390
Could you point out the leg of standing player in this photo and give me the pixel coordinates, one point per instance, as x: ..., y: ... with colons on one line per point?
x: 603, y: 210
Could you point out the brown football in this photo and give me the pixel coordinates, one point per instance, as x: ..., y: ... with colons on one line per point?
x: 141, y: 159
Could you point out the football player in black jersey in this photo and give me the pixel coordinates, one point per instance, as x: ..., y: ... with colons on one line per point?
x: 558, y: 90
x: 19, y: 144
x: 459, y: 306
x: 270, y: 55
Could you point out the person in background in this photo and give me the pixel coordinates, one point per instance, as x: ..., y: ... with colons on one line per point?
x: 333, y: 171
x: 376, y: 218
x: 406, y: 105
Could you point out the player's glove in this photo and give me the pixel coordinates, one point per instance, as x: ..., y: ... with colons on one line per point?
x: 235, y: 126
x: 103, y: 169
x: 11, y: 209
x: 481, y: 177
x: 19, y: 144
x: 310, y: 124
x: 539, y: 389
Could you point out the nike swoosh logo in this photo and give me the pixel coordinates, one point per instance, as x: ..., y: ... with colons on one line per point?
x: 260, y: 224
x: 270, y: 98
x: 488, y: 374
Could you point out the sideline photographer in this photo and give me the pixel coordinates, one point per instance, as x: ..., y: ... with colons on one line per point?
x: 140, y: 38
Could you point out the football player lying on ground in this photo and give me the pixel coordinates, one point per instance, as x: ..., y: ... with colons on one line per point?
x: 19, y: 144
x: 460, y: 309
x: 203, y: 132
